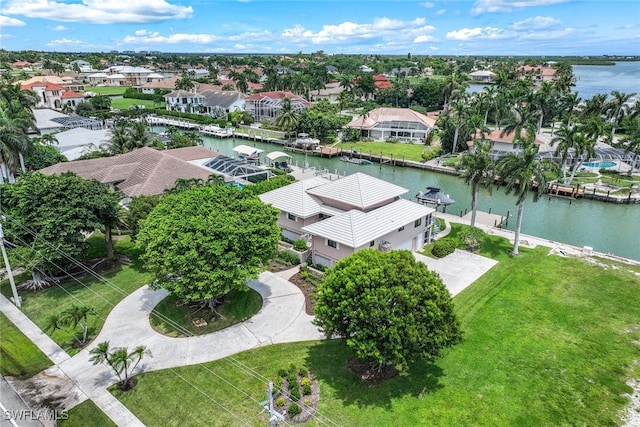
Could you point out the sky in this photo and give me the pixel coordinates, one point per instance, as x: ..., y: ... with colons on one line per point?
x: 447, y: 27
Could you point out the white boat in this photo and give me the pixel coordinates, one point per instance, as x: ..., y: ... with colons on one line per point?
x: 305, y: 141
x: 355, y: 160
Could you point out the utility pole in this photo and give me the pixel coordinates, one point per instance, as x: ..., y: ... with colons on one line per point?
x: 274, y: 416
x: 16, y: 299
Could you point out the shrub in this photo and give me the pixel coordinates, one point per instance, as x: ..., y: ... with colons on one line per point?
x: 293, y: 391
x: 289, y: 258
x: 443, y: 247
x: 294, y: 410
x: 280, y: 401
x: 472, y: 237
x: 305, y: 381
x: 303, y: 372
x: 277, y: 381
x: 431, y: 153
x: 292, y: 369
x: 282, y: 373
x: 306, y: 389
x: 300, y: 245
x: 307, y: 402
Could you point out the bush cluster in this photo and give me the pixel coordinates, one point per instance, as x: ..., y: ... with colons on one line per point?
x: 300, y: 245
x: 288, y: 258
x: 294, y: 409
x: 443, y: 247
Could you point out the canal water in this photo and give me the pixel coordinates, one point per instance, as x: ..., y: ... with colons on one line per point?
x: 606, y: 227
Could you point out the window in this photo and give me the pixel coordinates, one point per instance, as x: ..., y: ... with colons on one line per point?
x: 417, y: 222
x: 332, y: 244
x: 292, y: 217
x: 400, y: 229
x: 372, y: 243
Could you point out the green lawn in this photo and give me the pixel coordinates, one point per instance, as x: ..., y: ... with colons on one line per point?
x: 548, y: 341
x: 396, y: 150
x: 107, y: 90
x: 19, y: 357
x: 237, y: 307
x: 86, y: 414
x: 91, y: 292
x: 125, y: 103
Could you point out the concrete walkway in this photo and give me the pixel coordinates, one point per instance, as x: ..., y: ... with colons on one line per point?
x: 282, y: 319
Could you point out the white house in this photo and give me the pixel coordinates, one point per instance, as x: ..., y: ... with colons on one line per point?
x: 403, y: 124
x: 348, y: 214
x: 184, y: 101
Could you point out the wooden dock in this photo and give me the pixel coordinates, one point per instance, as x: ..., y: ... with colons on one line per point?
x: 489, y: 219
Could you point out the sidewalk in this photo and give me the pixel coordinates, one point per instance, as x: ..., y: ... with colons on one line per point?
x: 281, y: 319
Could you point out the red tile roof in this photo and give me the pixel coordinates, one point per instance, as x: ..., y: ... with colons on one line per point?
x: 71, y: 94
x: 46, y: 85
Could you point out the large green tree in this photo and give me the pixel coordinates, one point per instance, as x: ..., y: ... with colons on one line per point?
x: 203, y: 242
x: 48, y: 217
x: 389, y: 307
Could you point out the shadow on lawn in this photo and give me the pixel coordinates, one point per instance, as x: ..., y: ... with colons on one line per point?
x: 328, y: 361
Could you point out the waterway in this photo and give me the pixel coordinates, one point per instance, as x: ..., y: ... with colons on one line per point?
x: 606, y: 227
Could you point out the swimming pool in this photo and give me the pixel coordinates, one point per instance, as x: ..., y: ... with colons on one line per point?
x: 599, y: 164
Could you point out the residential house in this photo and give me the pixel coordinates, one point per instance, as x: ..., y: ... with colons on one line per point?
x: 184, y: 101
x: 267, y: 105
x: 49, y: 94
x: 84, y: 66
x: 538, y: 74
x: 355, y: 212
x: 227, y: 100
x: 72, y: 99
x: 503, y: 144
x: 331, y: 92
x: 403, y: 124
x: 366, y: 69
x: 482, y: 76
x: 381, y: 81
x: 144, y: 171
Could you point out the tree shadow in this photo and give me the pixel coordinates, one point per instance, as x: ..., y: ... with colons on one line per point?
x: 328, y: 361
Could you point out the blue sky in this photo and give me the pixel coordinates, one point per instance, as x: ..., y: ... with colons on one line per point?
x: 451, y: 27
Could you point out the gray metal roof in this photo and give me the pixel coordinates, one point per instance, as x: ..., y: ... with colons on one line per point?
x: 295, y: 199
x: 359, y: 190
x: 221, y: 98
x: 356, y: 228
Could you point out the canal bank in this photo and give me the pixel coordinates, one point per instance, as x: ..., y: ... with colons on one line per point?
x: 606, y: 227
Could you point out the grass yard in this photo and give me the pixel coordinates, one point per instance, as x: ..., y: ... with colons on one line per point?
x: 86, y: 414
x: 125, y: 103
x: 19, y: 357
x: 397, y: 150
x: 237, y: 307
x: 86, y: 291
x: 548, y: 341
x: 107, y: 90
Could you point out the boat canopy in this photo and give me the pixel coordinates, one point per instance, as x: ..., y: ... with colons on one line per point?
x: 277, y: 154
x: 247, y: 150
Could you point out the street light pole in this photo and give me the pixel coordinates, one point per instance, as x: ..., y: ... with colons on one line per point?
x: 16, y: 299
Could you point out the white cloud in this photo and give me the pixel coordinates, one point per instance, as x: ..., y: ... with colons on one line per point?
x: 384, y: 28
x: 486, y: 33
x: 58, y: 28
x: 423, y: 39
x: 98, y: 11
x: 65, y: 42
x: 428, y: 4
x: 536, y: 23
x: 441, y: 12
x: 5, y: 21
x: 548, y: 35
x: 144, y: 36
x: 492, y: 6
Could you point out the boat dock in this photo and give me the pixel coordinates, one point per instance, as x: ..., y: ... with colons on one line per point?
x: 489, y: 219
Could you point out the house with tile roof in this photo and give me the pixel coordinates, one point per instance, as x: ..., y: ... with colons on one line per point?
x: 403, y: 124
x: 503, y: 144
x: 330, y: 92
x: 49, y: 94
x: 72, y: 99
x: 538, y: 74
x: 352, y: 213
x: 267, y: 105
x: 144, y: 171
x: 227, y: 100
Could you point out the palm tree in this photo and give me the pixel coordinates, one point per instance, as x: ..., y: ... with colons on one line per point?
x: 78, y: 315
x: 524, y: 171
x: 184, y: 83
x: 460, y: 111
x: 54, y: 322
x: 346, y: 81
x: 288, y: 119
x: 631, y: 141
x: 572, y: 138
x: 122, y: 361
x: 478, y: 169
x: 521, y: 119
x: 617, y: 109
x: 14, y: 142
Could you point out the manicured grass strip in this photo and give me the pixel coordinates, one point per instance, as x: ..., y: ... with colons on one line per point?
x: 19, y: 357
x: 125, y: 103
x: 548, y: 341
x: 107, y: 90
x: 397, y: 150
x: 86, y: 414
x: 90, y: 292
x: 238, y: 306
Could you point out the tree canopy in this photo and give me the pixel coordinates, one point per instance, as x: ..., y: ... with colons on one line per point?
x: 390, y: 308
x: 203, y: 242
x: 51, y: 214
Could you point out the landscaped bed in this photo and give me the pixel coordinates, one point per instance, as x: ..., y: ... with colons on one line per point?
x: 549, y: 340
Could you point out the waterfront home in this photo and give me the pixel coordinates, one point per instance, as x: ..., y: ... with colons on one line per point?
x: 267, y: 105
x: 222, y: 100
x: 538, y: 74
x: 144, y: 171
x: 403, y: 124
x: 503, y: 144
x: 184, y: 101
x: 344, y: 215
x: 49, y: 94
x: 330, y: 92
x: 482, y: 76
